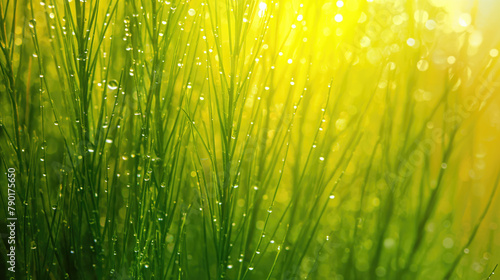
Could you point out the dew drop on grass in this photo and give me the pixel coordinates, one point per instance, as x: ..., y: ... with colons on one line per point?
x: 191, y: 12
x: 112, y: 85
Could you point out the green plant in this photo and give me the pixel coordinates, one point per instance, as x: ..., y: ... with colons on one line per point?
x: 249, y: 139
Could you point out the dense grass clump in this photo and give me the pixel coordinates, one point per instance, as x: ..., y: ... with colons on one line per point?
x: 250, y: 139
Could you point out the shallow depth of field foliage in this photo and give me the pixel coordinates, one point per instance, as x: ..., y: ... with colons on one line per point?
x: 284, y: 139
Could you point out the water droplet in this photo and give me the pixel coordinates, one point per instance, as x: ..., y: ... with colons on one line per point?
x: 112, y: 85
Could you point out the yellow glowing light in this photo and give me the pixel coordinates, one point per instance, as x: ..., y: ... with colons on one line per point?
x: 421, y: 16
x: 476, y: 38
x: 493, y: 52
x: 397, y: 20
x: 423, y: 65
x: 464, y: 20
x: 341, y: 124
x: 365, y: 42
x: 430, y: 24
x: 410, y: 42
